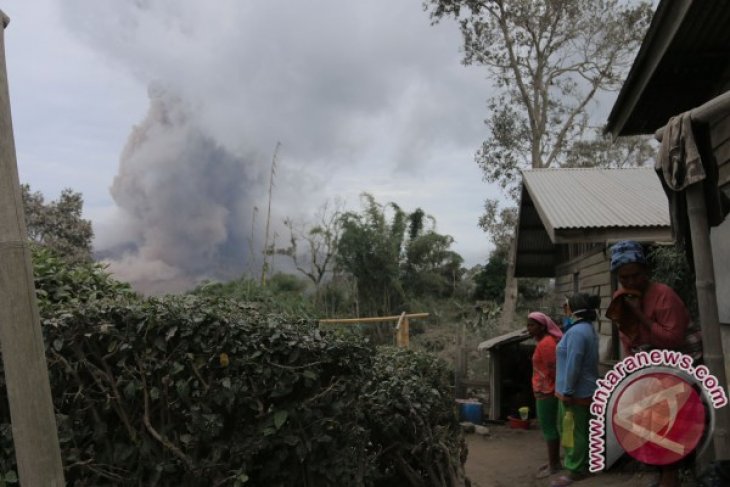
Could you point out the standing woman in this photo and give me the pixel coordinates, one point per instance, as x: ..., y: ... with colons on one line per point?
x: 547, y: 334
x: 651, y: 315
x: 577, y: 372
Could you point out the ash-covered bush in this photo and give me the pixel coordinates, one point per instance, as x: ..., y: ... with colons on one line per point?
x: 203, y: 391
x: 411, y: 419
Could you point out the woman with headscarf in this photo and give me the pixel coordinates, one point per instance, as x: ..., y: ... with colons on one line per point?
x: 575, y: 382
x: 650, y: 315
x: 547, y: 334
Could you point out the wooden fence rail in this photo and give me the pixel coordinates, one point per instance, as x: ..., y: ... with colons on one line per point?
x: 402, y: 327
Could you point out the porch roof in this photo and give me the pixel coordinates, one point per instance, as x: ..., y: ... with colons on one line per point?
x: 586, y: 205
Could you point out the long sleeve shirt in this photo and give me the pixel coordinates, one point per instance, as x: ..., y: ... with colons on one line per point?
x: 669, y: 320
x: 577, y: 361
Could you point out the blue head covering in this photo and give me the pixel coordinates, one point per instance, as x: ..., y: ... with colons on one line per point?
x: 627, y: 252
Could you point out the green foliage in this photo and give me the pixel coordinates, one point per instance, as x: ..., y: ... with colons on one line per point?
x: 58, y: 225
x: 605, y: 151
x: 491, y: 280
x: 370, y: 249
x: 59, y: 284
x: 499, y: 224
x: 549, y: 59
x: 394, y: 257
x: 669, y: 265
x: 283, y: 292
x: 337, y: 297
x: 533, y: 288
x: 206, y: 390
x: 430, y: 268
x: 412, y: 420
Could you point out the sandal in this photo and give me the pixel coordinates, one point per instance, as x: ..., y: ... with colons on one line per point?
x: 565, y: 480
x: 562, y: 481
x: 546, y: 471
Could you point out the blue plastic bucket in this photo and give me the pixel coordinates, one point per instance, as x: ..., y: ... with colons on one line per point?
x: 471, y: 412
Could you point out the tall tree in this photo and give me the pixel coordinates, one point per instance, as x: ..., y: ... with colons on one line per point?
x: 548, y: 60
x: 370, y: 249
x: 58, y: 225
x: 601, y: 151
x: 430, y: 266
x: 490, y: 281
x: 320, y: 240
x: 394, y: 255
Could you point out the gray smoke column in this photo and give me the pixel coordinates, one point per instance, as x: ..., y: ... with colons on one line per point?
x: 185, y: 203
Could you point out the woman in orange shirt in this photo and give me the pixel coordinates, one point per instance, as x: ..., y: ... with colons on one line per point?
x: 547, y: 334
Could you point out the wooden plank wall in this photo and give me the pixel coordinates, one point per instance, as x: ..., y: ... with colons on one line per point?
x: 594, y: 277
x: 720, y: 138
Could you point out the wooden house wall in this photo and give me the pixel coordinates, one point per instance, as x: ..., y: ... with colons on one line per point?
x: 720, y: 235
x: 720, y: 138
x: 589, y: 272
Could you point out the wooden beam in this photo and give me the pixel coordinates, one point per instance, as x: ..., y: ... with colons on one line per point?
x: 610, y: 234
x: 707, y: 112
x: 32, y: 416
x: 377, y: 319
x: 650, y: 54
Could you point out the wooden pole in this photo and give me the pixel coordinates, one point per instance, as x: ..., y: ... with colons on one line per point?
x: 26, y: 372
x: 265, y: 266
x: 405, y: 333
x: 459, y: 369
x: 707, y: 304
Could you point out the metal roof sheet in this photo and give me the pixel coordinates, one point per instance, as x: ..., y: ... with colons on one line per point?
x: 683, y: 62
x: 597, y: 198
x: 507, y: 338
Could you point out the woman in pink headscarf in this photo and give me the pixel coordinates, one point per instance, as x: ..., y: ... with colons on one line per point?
x: 547, y: 334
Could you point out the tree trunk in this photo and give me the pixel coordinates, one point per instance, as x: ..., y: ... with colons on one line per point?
x: 509, y: 305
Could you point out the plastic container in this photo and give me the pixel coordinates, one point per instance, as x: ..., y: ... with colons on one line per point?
x: 470, y: 411
x: 566, y: 439
x: 518, y: 424
x: 524, y: 412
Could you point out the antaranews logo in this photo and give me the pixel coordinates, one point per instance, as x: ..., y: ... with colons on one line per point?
x: 655, y: 406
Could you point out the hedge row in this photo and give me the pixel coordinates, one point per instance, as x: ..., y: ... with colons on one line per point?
x: 199, y: 390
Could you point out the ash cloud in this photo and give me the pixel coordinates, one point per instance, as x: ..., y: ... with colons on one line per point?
x: 185, y: 202
x: 363, y: 95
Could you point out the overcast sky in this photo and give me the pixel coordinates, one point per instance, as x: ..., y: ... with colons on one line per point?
x: 364, y: 96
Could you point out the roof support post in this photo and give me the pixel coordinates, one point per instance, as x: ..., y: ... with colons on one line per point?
x: 707, y: 304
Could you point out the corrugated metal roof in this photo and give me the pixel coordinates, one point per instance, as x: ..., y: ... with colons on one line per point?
x: 513, y: 336
x: 586, y: 206
x: 683, y: 62
x: 597, y: 198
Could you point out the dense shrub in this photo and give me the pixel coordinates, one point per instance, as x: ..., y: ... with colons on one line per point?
x: 205, y: 390
x: 669, y: 265
x: 281, y: 294
x: 412, y: 422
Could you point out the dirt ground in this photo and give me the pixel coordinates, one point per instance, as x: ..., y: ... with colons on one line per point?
x: 510, y: 458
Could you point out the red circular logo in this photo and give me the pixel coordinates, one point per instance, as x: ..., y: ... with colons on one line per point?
x: 658, y: 418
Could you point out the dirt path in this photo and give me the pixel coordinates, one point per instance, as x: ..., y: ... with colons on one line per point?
x: 510, y: 458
